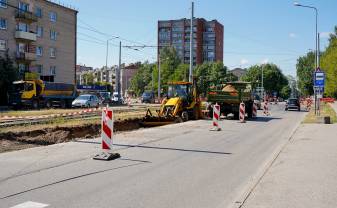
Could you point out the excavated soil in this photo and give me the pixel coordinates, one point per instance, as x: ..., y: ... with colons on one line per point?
x: 10, y: 141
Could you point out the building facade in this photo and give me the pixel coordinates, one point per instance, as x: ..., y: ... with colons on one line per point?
x: 40, y: 36
x: 207, y: 39
x: 128, y: 72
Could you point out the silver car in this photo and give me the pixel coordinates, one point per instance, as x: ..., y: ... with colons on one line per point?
x: 86, y: 101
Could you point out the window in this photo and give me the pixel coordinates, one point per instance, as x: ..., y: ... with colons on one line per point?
x: 53, y: 35
x: 3, y: 45
x: 52, y: 52
x: 3, y: 24
x: 3, y: 3
x: 38, y: 12
x: 39, y: 69
x: 52, y: 70
x: 23, y: 7
x: 52, y: 16
x: 22, y: 27
x: 39, y: 31
x: 39, y: 50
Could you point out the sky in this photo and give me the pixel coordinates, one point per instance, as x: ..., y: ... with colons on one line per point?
x: 255, y: 31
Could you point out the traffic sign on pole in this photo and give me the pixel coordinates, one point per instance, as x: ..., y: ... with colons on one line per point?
x: 319, y: 78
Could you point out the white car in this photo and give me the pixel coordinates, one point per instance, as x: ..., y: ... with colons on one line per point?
x: 86, y: 101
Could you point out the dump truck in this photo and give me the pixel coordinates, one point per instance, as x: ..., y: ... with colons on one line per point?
x: 39, y: 94
x: 181, y: 104
x: 229, y: 96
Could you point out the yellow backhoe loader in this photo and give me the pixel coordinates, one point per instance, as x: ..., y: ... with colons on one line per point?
x: 181, y: 104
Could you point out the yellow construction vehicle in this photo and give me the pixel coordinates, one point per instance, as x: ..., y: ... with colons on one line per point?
x: 181, y: 104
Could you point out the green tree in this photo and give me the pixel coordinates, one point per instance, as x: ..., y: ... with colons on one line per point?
x: 210, y: 74
x: 285, y: 92
x: 273, y: 80
x: 329, y: 65
x: 8, y: 74
x: 305, y: 67
x: 143, y: 78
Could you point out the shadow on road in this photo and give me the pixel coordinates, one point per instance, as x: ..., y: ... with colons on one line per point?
x: 160, y: 148
x: 174, y: 149
x: 264, y: 119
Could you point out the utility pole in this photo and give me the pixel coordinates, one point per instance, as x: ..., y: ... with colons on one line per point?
x: 106, y: 58
x: 191, y: 44
x: 159, y: 78
x: 118, y: 74
x: 262, y: 89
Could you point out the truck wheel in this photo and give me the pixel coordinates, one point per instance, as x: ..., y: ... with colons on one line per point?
x: 49, y: 104
x: 184, y: 116
x: 63, y: 104
x: 35, y: 104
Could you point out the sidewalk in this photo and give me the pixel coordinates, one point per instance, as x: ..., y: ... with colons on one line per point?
x: 304, y: 174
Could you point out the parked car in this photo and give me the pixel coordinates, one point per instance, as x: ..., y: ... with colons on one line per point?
x: 116, y: 99
x: 105, y: 98
x: 148, y: 97
x: 293, y: 103
x: 86, y: 100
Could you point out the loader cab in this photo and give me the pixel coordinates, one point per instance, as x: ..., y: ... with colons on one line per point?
x: 179, y: 89
x: 27, y: 89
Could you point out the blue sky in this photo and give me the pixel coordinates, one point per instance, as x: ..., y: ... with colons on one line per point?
x: 255, y: 31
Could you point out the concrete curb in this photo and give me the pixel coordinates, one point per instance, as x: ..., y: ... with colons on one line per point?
x: 255, y: 180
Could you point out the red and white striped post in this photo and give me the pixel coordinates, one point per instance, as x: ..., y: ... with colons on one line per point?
x: 216, y: 117
x: 266, y: 109
x: 254, y: 114
x: 242, y: 112
x: 106, y: 135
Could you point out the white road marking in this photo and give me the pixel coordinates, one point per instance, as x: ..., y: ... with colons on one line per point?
x: 30, y: 204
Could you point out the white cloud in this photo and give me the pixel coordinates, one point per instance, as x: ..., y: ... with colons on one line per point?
x: 325, y: 34
x: 265, y: 61
x: 292, y: 35
x: 244, y: 61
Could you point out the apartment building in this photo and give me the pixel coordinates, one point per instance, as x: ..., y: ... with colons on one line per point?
x: 207, y: 39
x: 40, y: 36
x: 128, y: 72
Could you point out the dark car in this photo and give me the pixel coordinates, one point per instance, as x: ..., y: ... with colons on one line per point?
x: 293, y: 104
x: 148, y: 97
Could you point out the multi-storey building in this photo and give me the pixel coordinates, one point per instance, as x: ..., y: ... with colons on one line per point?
x: 40, y: 36
x: 207, y: 39
x: 128, y: 72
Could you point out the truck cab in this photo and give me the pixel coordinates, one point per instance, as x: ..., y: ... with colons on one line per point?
x: 23, y: 92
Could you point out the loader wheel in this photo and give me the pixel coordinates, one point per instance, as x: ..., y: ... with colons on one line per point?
x: 35, y: 104
x: 184, y: 116
x: 48, y: 104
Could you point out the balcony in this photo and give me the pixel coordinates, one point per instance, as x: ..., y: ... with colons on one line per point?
x: 25, y: 57
x: 28, y: 36
x: 25, y: 16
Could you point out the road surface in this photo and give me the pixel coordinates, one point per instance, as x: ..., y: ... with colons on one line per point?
x: 182, y: 165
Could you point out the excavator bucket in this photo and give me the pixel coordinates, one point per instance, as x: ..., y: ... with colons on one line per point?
x: 151, y: 121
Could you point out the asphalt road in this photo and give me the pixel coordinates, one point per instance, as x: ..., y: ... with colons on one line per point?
x: 182, y: 165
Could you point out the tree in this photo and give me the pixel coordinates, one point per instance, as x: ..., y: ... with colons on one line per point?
x: 285, y: 92
x: 143, y: 78
x: 305, y: 67
x: 329, y: 65
x: 273, y: 80
x: 8, y: 74
x: 210, y: 74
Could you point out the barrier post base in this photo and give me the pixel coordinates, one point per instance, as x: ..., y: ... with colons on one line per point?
x: 106, y: 156
x: 215, y: 129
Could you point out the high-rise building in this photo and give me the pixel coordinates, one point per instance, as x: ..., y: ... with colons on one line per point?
x: 207, y: 39
x: 40, y: 36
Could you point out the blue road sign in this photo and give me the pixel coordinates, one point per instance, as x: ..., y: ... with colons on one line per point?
x: 319, y: 79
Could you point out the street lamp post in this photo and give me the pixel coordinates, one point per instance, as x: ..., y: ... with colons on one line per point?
x: 107, y: 53
x: 316, y: 43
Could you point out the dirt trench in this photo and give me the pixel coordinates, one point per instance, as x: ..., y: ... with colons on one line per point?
x: 10, y: 141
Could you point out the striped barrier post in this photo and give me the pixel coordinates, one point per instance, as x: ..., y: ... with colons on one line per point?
x: 216, y: 117
x: 106, y: 135
x: 242, y: 113
x: 254, y: 114
x: 266, y: 109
